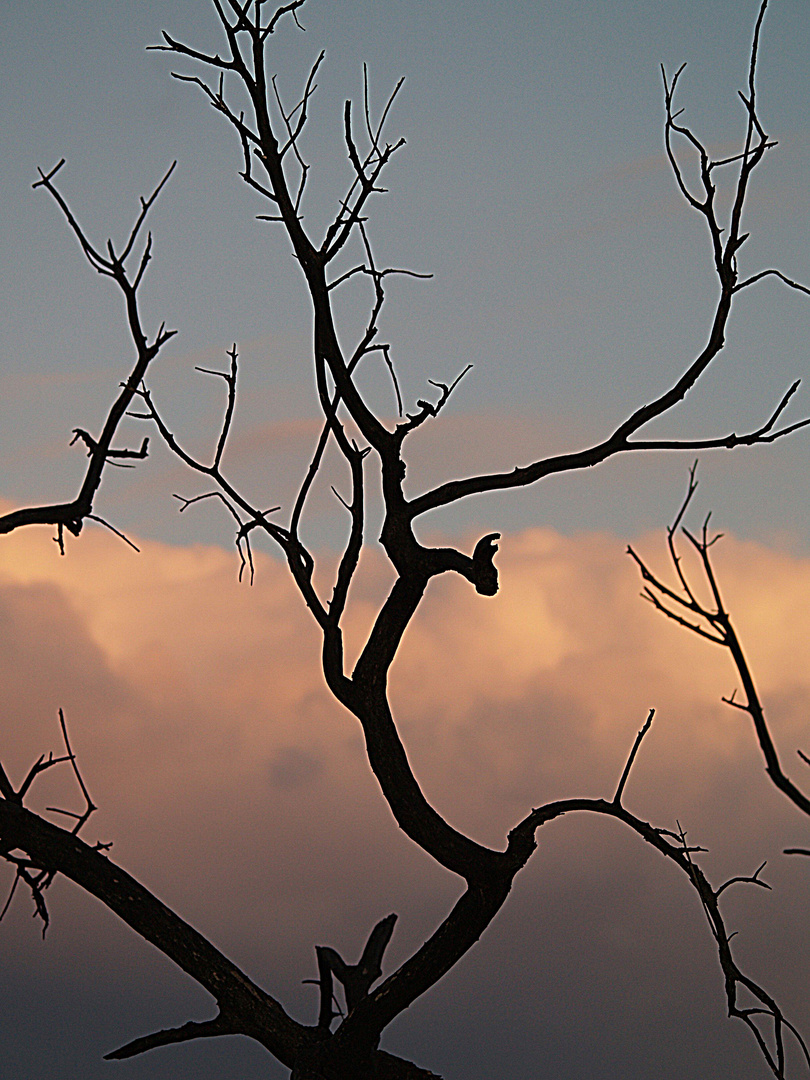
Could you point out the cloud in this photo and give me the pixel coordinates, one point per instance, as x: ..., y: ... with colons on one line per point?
x: 235, y: 787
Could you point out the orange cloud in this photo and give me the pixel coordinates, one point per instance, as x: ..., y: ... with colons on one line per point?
x: 216, y: 754
x: 488, y: 692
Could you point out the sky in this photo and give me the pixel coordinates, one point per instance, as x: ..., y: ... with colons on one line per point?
x: 569, y: 272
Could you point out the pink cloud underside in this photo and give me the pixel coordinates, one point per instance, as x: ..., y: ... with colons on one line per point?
x: 213, y: 749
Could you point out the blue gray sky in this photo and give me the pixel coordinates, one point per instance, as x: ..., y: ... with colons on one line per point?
x: 569, y: 272
x: 533, y: 186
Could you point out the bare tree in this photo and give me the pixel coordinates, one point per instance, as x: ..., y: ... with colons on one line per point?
x: 274, y: 165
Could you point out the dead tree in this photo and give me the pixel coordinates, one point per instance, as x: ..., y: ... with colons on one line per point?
x: 274, y: 166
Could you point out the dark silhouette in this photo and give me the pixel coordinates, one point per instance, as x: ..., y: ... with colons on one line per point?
x: 274, y: 166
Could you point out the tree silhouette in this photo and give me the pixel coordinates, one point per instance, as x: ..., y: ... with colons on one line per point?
x: 274, y: 165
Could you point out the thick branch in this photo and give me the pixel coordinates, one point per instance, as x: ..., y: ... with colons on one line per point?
x: 249, y: 1009
x: 365, y: 696
x: 356, y: 979
x: 465, y: 924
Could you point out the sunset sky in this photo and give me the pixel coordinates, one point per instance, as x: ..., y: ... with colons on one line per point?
x: 569, y: 272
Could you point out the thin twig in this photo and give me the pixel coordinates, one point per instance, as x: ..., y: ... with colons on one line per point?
x: 617, y: 798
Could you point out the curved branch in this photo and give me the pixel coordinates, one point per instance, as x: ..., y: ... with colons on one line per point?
x: 725, y: 245
x: 365, y: 696
x: 205, y: 1029
x: 521, y: 838
x: 476, y: 908
x: 797, y: 285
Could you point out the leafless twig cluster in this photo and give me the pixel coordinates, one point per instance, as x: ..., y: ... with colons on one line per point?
x: 712, y: 622
x: 38, y: 878
x: 112, y: 264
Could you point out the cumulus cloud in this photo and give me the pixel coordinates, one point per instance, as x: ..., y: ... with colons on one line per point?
x: 235, y: 787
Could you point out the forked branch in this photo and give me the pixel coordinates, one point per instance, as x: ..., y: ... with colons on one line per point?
x: 711, y: 620
x: 356, y: 979
x: 112, y: 264
x: 726, y: 240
